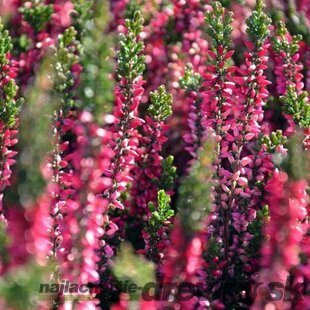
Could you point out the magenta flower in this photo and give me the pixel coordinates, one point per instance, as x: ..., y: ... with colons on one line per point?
x: 285, y: 230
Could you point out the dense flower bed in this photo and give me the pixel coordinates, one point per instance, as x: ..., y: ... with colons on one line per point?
x: 154, y: 154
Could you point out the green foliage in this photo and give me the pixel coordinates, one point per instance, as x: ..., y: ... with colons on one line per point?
x: 66, y: 55
x: 162, y: 213
x: 135, y: 24
x: 132, y: 268
x: 228, y: 3
x: 218, y: 25
x: 281, y: 44
x: 194, y: 192
x: 191, y: 80
x: 168, y: 174
x: 297, y: 105
x: 82, y: 15
x: 297, y: 23
x: 34, y: 144
x: 132, y: 7
x: 171, y: 36
x: 294, y: 103
x: 159, y: 218
x: 23, y: 42
x: 258, y: 24
x: 96, y: 87
x: 296, y: 162
x: 10, y: 90
x: 9, y: 106
x: 37, y: 13
x: 24, y: 283
x: 5, y: 45
x: 161, y: 104
x: 275, y: 139
x: 4, y: 242
x: 129, y: 59
x: 214, y: 249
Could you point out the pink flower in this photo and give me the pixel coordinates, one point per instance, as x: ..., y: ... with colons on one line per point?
x: 286, y: 229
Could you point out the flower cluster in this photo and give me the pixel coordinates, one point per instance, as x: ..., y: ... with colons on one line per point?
x: 147, y: 172
x: 8, y: 113
x: 59, y: 204
x: 183, y: 259
x: 287, y: 230
x: 30, y: 24
x: 290, y: 83
x: 128, y: 94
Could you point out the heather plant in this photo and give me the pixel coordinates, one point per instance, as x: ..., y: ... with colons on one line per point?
x: 163, y: 155
x: 9, y: 110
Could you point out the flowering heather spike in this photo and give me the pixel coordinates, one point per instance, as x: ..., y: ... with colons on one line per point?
x: 290, y: 81
x: 36, y: 26
x: 57, y: 197
x: 288, y: 70
x: 239, y: 166
x: 284, y: 253
x: 218, y: 83
x: 243, y: 182
x: 183, y: 260
x: 218, y: 101
x: 150, y: 166
x: 86, y: 208
x: 191, y: 82
x: 9, y: 109
x: 128, y: 94
x: 124, y: 143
